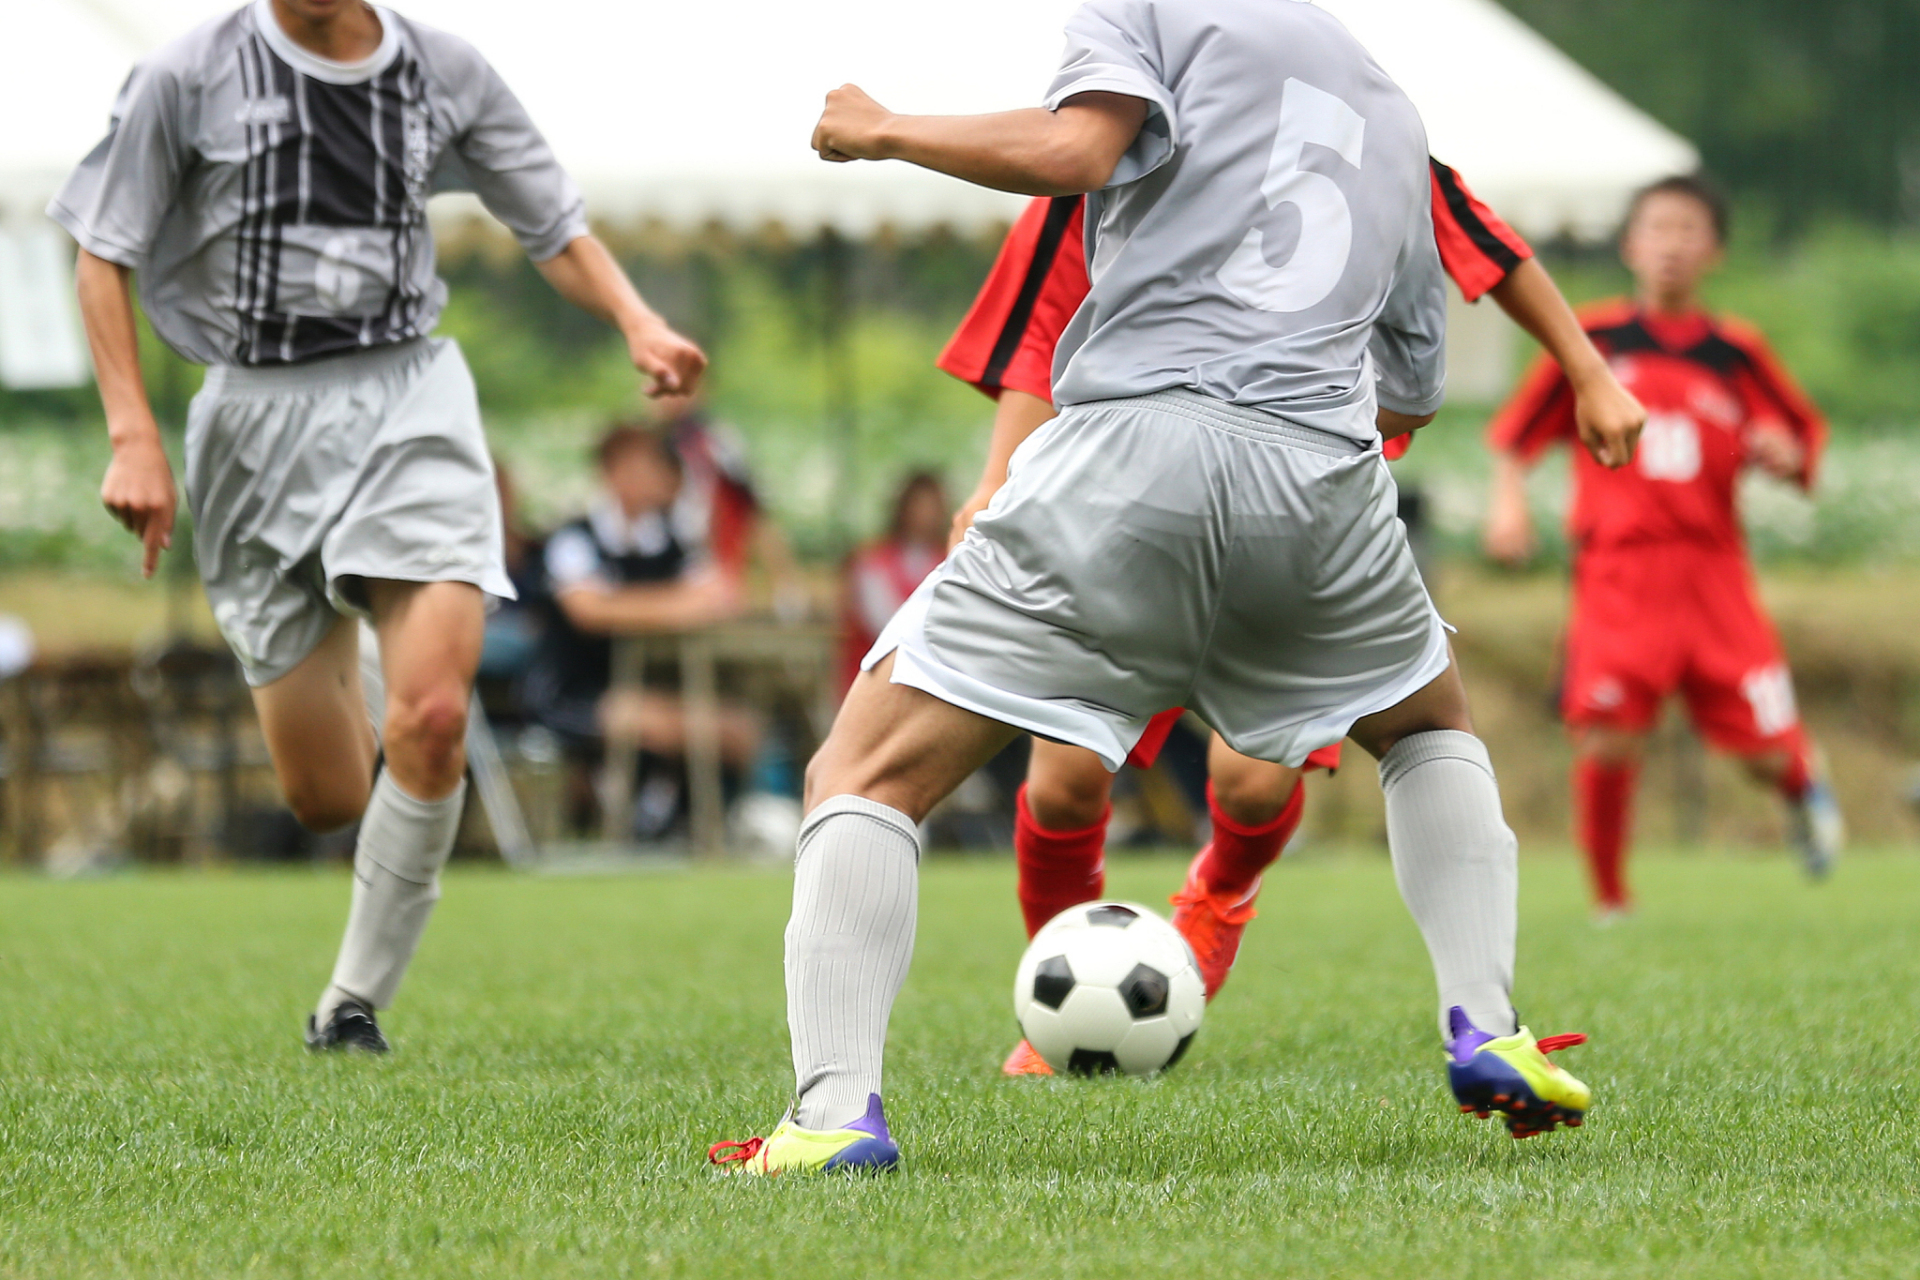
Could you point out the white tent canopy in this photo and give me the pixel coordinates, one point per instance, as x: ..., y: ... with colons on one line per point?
x: 693, y: 113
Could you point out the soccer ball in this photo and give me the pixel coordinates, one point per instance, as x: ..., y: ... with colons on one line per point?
x: 1109, y: 988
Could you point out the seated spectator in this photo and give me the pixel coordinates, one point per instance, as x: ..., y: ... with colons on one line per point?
x: 881, y: 575
x: 719, y: 510
x: 622, y: 570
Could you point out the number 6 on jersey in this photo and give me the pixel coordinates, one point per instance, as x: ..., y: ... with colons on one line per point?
x: 1319, y: 258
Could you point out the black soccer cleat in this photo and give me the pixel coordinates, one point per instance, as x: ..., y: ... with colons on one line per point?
x: 350, y: 1026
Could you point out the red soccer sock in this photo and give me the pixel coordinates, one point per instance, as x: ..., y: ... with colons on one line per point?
x: 1238, y: 854
x: 1058, y: 869
x: 1798, y: 777
x: 1603, y: 800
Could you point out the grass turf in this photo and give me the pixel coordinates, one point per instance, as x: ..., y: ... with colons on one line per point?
x: 568, y: 1048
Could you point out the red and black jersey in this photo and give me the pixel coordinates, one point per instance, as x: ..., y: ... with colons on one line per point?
x: 1707, y: 383
x: 1040, y: 279
x: 1037, y: 283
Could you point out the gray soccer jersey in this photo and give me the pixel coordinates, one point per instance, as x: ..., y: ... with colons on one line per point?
x: 1268, y: 239
x: 274, y: 203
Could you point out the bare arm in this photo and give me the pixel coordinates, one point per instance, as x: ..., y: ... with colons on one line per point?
x: 1393, y: 424
x: 668, y: 606
x: 1608, y: 417
x: 138, y: 488
x: 1508, y: 536
x: 1034, y: 152
x: 586, y: 275
x: 1017, y: 416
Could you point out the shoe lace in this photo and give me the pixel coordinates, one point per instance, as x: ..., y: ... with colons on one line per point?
x: 1548, y: 1044
x: 1226, y: 912
x: 734, y: 1152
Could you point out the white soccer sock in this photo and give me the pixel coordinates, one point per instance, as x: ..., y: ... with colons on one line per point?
x: 856, y: 888
x: 396, y: 880
x: 1457, y: 863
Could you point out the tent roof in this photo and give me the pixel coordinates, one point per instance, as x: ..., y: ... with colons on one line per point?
x: 694, y: 113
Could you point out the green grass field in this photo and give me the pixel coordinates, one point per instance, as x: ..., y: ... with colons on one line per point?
x: 567, y: 1048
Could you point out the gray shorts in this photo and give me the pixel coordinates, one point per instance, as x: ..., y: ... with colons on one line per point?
x: 306, y: 480
x: 1171, y: 550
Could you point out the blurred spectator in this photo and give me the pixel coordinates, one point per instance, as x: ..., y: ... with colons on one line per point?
x: 881, y: 575
x: 719, y: 510
x: 622, y: 569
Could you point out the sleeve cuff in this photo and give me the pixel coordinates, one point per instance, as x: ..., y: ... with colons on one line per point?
x: 1158, y: 133
x: 94, y: 243
x: 543, y: 246
x: 1412, y: 408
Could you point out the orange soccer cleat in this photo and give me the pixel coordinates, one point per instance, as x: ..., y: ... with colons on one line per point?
x: 1025, y: 1060
x: 1212, y: 924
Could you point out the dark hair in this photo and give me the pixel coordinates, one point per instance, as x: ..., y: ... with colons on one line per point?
x: 914, y: 483
x: 626, y: 437
x: 1694, y: 186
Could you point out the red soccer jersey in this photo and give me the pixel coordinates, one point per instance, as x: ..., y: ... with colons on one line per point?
x: 1706, y: 383
x: 1040, y: 279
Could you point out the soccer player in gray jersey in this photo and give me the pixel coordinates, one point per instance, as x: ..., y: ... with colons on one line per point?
x: 266, y: 178
x: 1208, y: 523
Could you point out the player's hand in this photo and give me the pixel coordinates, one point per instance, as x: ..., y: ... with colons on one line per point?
x: 139, y: 491
x: 1774, y: 450
x: 1508, y: 538
x: 1609, y: 420
x: 710, y: 597
x: 851, y: 127
x: 964, y: 517
x: 672, y: 365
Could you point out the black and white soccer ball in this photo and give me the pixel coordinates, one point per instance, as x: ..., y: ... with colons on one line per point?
x: 1106, y: 988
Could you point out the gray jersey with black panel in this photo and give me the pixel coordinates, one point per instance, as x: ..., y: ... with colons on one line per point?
x: 273, y: 203
x: 1267, y: 240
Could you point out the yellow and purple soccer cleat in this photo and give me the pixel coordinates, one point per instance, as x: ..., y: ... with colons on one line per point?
x: 864, y: 1146
x: 1511, y: 1075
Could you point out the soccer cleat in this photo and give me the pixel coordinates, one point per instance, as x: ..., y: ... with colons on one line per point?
x: 1212, y: 924
x: 1511, y: 1075
x: 864, y: 1146
x: 1819, y: 831
x: 1025, y: 1060
x: 349, y: 1026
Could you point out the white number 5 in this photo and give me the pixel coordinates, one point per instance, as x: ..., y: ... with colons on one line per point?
x: 1319, y: 258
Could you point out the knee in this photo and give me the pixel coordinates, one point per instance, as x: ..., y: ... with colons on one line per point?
x: 1063, y: 800
x: 325, y: 804
x: 432, y: 720
x: 1254, y: 797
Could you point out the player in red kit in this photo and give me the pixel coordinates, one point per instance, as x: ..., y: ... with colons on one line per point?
x: 1005, y: 347
x: 1663, y: 594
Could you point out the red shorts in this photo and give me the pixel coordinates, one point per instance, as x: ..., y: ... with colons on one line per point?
x: 1661, y: 619
x: 1147, y: 750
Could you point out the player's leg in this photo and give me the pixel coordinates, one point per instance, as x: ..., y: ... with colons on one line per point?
x: 1255, y: 807
x: 1059, y: 848
x: 1606, y: 770
x: 1060, y: 831
x: 430, y: 636
x: 1456, y: 861
x: 1740, y: 693
x: 893, y: 753
x: 1622, y: 662
x: 314, y: 720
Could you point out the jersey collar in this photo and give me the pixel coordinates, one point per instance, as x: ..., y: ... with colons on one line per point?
x: 312, y: 64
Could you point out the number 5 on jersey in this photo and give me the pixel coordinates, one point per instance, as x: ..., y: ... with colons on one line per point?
x: 1319, y: 258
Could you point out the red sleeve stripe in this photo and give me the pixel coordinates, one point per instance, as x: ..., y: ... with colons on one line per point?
x: 1461, y: 204
x: 1060, y: 213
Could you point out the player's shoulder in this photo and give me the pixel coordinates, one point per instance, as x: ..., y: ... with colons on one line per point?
x: 1742, y: 335
x: 191, y: 58
x: 450, y: 58
x: 1607, y: 313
